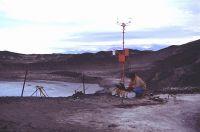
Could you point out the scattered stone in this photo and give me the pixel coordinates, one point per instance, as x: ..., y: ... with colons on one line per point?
x: 113, y: 125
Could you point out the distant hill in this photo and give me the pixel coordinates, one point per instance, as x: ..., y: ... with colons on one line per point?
x: 6, y: 55
x: 174, y: 66
x: 182, y: 68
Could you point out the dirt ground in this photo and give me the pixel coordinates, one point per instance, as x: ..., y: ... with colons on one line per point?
x: 99, y: 113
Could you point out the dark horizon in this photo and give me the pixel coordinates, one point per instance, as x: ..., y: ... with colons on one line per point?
x: 156, y: 47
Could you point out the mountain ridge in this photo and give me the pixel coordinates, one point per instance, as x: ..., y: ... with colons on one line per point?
x: 174, y: 66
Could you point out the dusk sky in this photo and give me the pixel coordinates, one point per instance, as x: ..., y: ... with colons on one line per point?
x: 76, y: 26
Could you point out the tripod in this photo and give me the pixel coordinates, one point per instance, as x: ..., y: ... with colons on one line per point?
x: 41, y: 91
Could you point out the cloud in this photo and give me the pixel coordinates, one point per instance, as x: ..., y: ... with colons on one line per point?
x: 145, y: 14
x: 44, y: 26
x: 187, y: 5
x: 169, y: 32
x: 9, y: 22
x: 141, y: 44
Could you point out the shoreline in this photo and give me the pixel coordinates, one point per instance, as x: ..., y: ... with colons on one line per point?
x: 104, y: 83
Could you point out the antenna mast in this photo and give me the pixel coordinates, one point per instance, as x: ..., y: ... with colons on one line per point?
x: 123, y: 54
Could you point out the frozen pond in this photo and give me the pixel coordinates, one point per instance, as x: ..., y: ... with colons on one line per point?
x: 52, y: 88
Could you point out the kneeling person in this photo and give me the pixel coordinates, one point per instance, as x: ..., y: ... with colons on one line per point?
x: 137, y: 85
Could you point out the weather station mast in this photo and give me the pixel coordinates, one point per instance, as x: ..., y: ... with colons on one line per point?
x: 122, y: 57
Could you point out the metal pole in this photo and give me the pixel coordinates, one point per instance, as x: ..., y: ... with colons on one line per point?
x: 123, y: 63
x: 123, y: 52
x: 83, y: 80
x: 24, y: 83
x: 123, y: 36
x: 123, y: 73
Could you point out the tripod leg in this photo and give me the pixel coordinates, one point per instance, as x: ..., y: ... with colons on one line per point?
x: 40, y: 92
x: 45, y: 93
x: 35, y: 92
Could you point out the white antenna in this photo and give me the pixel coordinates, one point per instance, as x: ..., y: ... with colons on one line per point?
x: 124, y: 24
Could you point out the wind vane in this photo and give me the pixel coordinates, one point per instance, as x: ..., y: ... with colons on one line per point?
x: 125, y: 52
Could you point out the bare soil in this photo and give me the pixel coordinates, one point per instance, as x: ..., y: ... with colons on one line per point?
x: 100, y: 113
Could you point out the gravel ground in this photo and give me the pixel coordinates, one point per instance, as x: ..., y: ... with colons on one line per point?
x: 99, y: 112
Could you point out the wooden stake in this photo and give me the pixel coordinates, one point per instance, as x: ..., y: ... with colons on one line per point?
x: 83, y: 80
x: 24, y: 82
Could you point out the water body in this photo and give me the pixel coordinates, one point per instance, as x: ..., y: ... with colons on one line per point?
x: 52, y: 88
